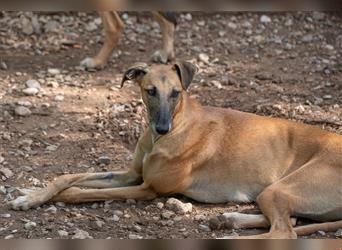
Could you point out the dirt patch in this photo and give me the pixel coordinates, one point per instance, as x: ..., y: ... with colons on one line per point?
x: 289, y: 67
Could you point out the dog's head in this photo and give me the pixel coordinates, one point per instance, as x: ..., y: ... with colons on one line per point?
x: 161, y: 89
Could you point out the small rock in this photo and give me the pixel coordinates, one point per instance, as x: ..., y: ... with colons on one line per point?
x: 51, y: 209
x: 327, y: 97
x: 307, y: 38
x: 30, y: 91
x: 318, y: 15
x: 178, y: 207
x: 81, y: 234
x: 99, y: 223
x: 321, y: 233
x: 6, y: 172
x: 167, y: 214
x: 59, y: 98
x: 22, y: 111
x: 231, y: 25
x: 265, y: 19
x: 24, y: 103
x: 160, y: 205
x: 33, y: 84
x: 54, y: 72
x: 199, y: 217
x: 188, y: 17
x: 115, y: 218
x: 339, y: 233
x: 3, y: 66
x: 51, y: 26
x: 137, y: 228
x: 26, y: 26
x: 104, y: 160
x: 216, y: 84
x: 5, y: 215
x: 30, y: 225
x: 203, y: 58
x: 204, y: 228
x: 118, y: 213
x: 8, y: 237
x: 134, y: 237
x: 2, y: 159
x: 51, y: 148
x: 62, y: 233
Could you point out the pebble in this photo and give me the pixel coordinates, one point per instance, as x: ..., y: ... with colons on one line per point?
x: 33, y: 84
x: 3, y: 66
x: 134, y: 237
x: 231, y: 25
x: 203, y: 58
x: 81, y: 234
x: 62, y: 233
x: 307, y: 38
x: 24, y: 103
x: 118, y: 213
x: 6, y: 172
x: 51, y: 209
x: 51, y: 148
x: 339, y: 233
x: 167, y: 214
x: 216, y: 84
x: 204, y: 228
x: 160, y: 205
x: 30, y: 225
x: 265, y: 19
x: 54, y: 72
x: 178, y: 207
x: 5, y: 215
x: 115, y: 218
x: 59, y: 98
x: 2, y: 159
x: 321, y: 233
x: 8, y: 237
x: 104, y: 160
x: 30, y: 91
x: 327, y: 97
x: 188, y: 17
x: 22, y: 111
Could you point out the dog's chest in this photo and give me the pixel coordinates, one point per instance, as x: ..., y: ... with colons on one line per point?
x: 211, y: 192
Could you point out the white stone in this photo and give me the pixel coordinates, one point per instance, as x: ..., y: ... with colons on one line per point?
x: 22, y: 111
x: 30, y: 91
x: 265, y: 19
x: 178, y: 207
x: 33, y: 84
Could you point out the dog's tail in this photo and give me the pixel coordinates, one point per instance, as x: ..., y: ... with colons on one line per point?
x: 310, y: 229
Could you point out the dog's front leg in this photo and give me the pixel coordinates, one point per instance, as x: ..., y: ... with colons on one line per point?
x: 77, y: 195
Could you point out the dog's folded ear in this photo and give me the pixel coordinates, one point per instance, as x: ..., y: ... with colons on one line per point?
x: 135, y: 72
x: 186, y: 72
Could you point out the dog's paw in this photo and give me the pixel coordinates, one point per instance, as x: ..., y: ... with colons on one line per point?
x: 161, y: 56
x: 91, y: 63
x: 20, y: 203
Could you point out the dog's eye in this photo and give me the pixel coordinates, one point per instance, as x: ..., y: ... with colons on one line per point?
x: 151, y: 92
x: 174, y: 94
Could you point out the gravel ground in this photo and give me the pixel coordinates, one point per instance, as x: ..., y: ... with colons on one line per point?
x: 57, y: 118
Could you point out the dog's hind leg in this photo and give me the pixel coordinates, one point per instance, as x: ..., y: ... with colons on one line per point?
x: 316, y: 198
x: 167, y: 23
x: 113, y: 27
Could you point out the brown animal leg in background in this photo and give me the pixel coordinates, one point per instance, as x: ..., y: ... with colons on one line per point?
x: 168, y: 29
x: 113, y: 27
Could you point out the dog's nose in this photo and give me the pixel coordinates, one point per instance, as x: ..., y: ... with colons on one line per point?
x: 163, y: 129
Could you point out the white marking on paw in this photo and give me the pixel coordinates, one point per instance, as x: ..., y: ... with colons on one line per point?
x: 20, y: 203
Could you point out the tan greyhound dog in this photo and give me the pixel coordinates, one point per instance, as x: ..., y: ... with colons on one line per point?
x: 217, y: 155
x: 113, y: 27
